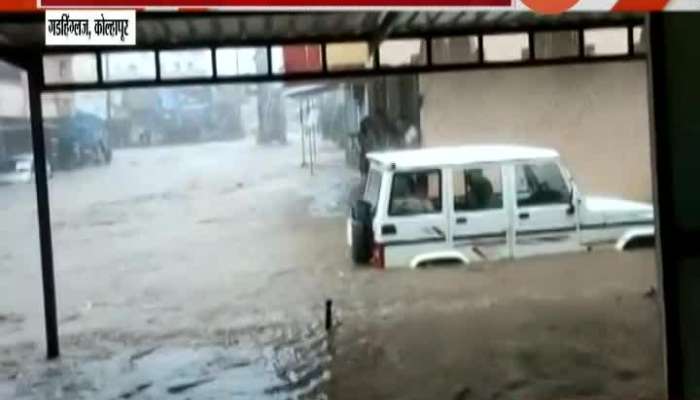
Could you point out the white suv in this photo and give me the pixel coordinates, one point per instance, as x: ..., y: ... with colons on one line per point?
x: 475, y: 203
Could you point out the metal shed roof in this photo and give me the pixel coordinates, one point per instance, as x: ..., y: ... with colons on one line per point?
x: 191, y: 29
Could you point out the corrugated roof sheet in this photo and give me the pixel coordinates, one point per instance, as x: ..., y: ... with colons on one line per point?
x: 173, y: 29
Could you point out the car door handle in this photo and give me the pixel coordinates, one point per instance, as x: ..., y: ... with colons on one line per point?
x: 389, y: 229
x: 461, y: 220
x: 524, y: 215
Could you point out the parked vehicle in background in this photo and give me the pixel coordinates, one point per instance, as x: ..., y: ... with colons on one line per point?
x: 19, y: 168
x: 477, y: 203
x: 81, y: 139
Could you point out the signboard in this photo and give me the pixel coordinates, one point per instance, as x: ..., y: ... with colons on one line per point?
x: 90, y: 27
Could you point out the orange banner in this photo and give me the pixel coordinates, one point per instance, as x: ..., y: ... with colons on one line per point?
x: 18, y: 5
x: 640, y: 5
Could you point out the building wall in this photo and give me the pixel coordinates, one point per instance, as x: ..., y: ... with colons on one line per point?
x: 347, y: 55
x: 595, y: 115
x: 14, y: 102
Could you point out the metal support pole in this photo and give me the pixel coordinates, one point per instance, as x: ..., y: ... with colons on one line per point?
x: 376, y: 62
x: 98, y: 67
x: 329, y: 314
x: 673, y: 94
x: 630, y: 40
x: 36, y: 79
x: 480, y: 47
x: 428, y: 51
x: 214, y: 69
x: 268, y: 56
x: 156, y: 54
x: 324, y: 58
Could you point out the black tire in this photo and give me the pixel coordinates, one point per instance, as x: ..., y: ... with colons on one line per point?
x: 642, y: 242
x: 361, y: 242
x: 362, y: 235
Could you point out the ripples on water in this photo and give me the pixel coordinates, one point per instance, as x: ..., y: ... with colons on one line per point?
x: 289, y: 365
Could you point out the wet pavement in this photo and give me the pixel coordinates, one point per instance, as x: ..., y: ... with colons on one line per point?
x: 286, y: 367
x: 201, y: 271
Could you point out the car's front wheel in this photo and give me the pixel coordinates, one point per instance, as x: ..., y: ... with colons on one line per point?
x: 361, y: 243
x: 361, y: 236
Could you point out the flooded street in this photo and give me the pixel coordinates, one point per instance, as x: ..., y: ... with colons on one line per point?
x: 201, y: 271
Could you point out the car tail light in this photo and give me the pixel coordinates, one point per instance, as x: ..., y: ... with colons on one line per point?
x: 378, y: 255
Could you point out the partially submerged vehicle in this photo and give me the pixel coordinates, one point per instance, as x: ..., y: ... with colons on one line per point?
x: 81, y: 139
x: 475, y: 203
x: 19, y: 168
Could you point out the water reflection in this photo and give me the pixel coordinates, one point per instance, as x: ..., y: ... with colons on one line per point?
x: 286, y: 365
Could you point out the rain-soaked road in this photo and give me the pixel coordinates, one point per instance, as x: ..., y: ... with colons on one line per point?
x: 200, y: 271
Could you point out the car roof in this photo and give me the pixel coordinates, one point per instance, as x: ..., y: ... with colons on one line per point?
x: 459, y: 155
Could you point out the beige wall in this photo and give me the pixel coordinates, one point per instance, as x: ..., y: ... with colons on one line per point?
x: 595, y: 115
x: 14, y: 101
x: 347, y: 55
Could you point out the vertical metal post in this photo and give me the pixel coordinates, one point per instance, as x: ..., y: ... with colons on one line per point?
x: 673, y: 92
x: 581, y: 44
x: 35, y: 76
x: 214, y: 71
x: 98, y: 66
x: 630, y: 40
x: 531, y: 45
x: 268, y: 55
x: 156, y: 54
x: 329, y: 314
x: 324, y: 58
x: 480, y: 41
x: 428, y: 51
x: 376, y: 62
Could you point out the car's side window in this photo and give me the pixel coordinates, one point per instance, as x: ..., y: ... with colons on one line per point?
x: 540, y: 184
x: 414, y: 193
x: 478, y: 188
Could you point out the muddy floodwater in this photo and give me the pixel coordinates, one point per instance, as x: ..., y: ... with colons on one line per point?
x: 201, y: 271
